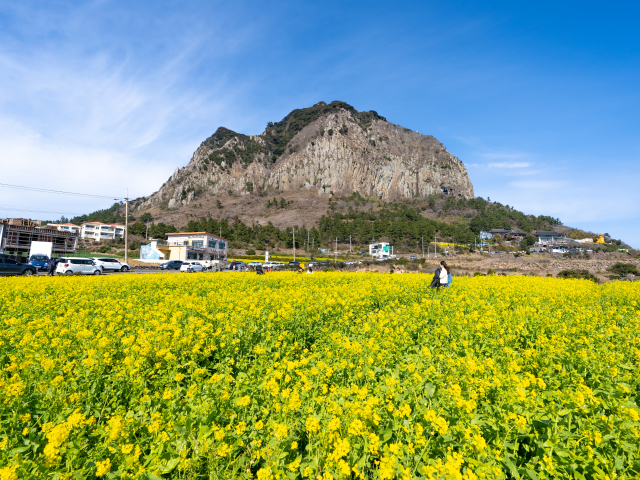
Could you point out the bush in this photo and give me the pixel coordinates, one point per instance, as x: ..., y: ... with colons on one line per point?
x: 478, y: 274
x: 584, y: 274
x: 104, y: 249
x: 621, y: 268
x: 491, y: 272
x: 250, y: 251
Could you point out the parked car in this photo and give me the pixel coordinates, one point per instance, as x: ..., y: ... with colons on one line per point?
x: 171, y: 265
x: 191, y: 266
x: 254, y: 264
x: 294, y: 264
x: 84, y: 266
x: 8, y: 266
x: 236, y: 265
x: 324, y: 262
x: 39, y: 261
x: 412, y: 257
x: 110, y: 264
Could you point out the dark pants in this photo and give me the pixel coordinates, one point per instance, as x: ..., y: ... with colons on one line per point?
x: 51, y: 271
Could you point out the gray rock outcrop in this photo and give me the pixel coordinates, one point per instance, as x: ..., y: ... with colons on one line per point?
x: 326, y: 148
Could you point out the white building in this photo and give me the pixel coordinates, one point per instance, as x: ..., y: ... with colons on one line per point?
x: 380, y: 250
x: 193, y: 246
x: 102, y: 231
x: 65, y: 227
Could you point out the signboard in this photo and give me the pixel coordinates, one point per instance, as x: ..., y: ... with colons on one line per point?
x: 41, y: 248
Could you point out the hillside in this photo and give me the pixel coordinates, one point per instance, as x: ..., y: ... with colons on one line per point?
x: 322, y: 149
x: 328, y: 172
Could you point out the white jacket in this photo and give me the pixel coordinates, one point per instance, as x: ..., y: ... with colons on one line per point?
x: 444, y: 276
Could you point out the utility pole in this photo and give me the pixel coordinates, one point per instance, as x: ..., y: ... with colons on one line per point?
x: 422, y: 246
x: 126, y: 228
x: 294, y: 243
x: 349, y: 243
x: 307, y: 239
x: 336, y: 252
x: 147, y: 230
x: 435, y: 249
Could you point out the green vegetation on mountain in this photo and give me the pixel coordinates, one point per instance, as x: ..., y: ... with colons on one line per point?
x: 277, y: 136
x: 112, y: 214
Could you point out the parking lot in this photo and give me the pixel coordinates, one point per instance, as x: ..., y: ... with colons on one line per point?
x: 132, y: 272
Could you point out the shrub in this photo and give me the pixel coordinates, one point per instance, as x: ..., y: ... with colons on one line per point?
x: 104, y: 249
x: 491, y: 272
x: 250, y: 251
x: 622, y: 268
x: 584, y: 274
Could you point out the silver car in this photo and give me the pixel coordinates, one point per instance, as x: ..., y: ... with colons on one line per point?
x: 80, y: 266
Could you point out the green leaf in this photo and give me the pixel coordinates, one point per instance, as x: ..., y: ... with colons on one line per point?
x: 532, y: 474
x: 512, y: 468
x: 387, y: 435
x: 429, y: 390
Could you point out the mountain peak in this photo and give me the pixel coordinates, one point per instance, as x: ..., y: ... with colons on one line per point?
x: 324, y: 148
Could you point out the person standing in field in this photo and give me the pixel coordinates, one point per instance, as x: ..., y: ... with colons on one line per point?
x: 51, y: 267
x: 443, y: 280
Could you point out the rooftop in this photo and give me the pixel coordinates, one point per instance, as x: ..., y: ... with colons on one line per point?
x: 197, y: 233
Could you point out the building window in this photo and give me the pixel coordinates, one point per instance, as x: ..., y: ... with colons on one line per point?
x: 198, y: 243
x: 221, y: 246
x: 192, y: 256
x: 212, y: 244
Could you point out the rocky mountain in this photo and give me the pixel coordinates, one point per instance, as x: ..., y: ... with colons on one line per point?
x: 322, y: 149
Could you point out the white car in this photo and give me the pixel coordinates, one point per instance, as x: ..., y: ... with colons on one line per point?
x: 254, y: 264
x: 190, y: 266
x: 84, y: 266
x: 110, y: 264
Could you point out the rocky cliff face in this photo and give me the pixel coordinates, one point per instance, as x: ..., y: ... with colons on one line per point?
x: 325, y: 148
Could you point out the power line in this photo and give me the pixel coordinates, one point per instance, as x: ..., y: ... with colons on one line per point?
x: 63, y: 178
x: 58, y: 192
x: 20, y: 209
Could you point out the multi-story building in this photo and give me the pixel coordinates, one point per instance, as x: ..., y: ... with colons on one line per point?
x: 101, y: 231
x: 189, y: 246
x: 65, y: 227
x: 17, y: 235
x: 380, y: 250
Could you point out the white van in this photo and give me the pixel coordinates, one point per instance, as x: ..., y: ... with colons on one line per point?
x: 70, y: 266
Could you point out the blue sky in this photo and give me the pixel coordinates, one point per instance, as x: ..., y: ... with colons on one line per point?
x: 539, y: 100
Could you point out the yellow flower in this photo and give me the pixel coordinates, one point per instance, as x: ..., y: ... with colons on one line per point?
x: 127, y: 449
x: 102, y: 468
x: 313, y: 424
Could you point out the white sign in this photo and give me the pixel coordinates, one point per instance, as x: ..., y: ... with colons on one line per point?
x: 41, y: 248
x: 266, y: 256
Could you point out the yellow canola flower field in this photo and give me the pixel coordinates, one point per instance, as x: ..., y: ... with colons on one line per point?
x: 322, y: 376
